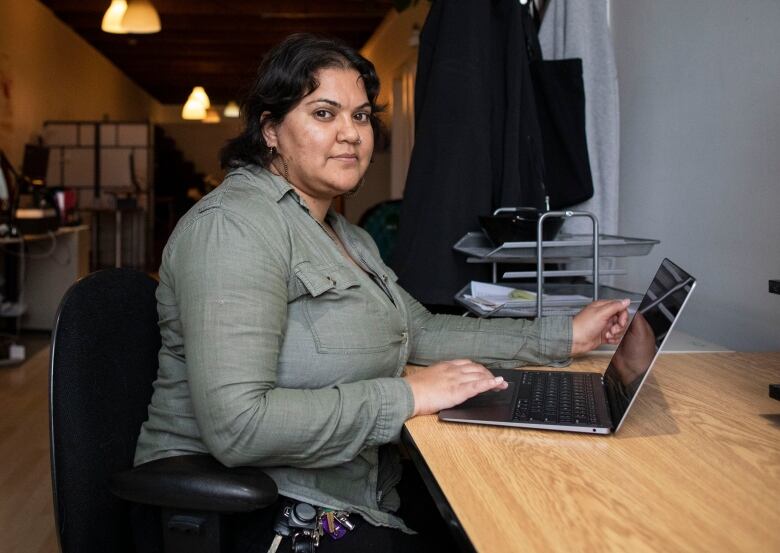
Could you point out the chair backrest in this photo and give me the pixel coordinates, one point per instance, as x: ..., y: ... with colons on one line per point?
x: 103, y: 363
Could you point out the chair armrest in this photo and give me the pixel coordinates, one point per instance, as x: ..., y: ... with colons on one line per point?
x: 197, y: 483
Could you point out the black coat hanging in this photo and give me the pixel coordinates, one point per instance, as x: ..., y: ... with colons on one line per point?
x: 478, y: 145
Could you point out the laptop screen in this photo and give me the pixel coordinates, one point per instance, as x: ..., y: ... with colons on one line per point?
x: 644, y: 337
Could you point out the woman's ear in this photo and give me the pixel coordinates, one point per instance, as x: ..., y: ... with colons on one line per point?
x: 268, y: 129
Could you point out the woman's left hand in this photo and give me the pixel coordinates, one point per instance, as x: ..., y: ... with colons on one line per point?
x: 601, y: 322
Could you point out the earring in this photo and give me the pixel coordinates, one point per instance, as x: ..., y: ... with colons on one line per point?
x: 273, y: 151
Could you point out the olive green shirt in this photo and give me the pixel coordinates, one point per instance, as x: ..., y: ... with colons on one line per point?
x: 278, y: 352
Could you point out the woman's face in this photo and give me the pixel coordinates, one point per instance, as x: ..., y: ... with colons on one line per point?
x: 327, y: 139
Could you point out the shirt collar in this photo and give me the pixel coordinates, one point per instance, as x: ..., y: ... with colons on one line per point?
x: 278, y: 187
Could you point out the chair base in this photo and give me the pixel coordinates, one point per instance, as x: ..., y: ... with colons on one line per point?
x: 191, y: 531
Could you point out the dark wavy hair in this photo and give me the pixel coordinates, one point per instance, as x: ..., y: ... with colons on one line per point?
x: 285, y: 76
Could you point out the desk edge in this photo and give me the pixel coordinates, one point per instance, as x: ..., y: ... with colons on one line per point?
x: 445, y: 509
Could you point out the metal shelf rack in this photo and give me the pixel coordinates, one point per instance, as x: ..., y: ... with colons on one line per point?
x: 566, y: 247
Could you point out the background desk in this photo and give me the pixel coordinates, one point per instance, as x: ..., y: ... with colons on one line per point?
x: 53, y: 262
x: 696, y: 467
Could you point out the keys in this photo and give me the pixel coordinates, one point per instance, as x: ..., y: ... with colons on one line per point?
x: 307, y: 524
x: 336, y: 524
x: 343, y: 518
x: 275, y: 543
x: 281, y: 526
x: 331, y: 520
x: 332, y: 527
x: 298, y: 520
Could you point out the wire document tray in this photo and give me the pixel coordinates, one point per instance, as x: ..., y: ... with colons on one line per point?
x: 479, y: 249
x: 551, y: 306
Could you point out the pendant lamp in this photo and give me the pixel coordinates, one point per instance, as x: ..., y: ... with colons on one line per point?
x: 196, y: 105
x: 141, y: 18
x: 193, y: 111
x: 199, y: 94
x: 112, y: 19
x: 231, y: 110
x: 212, y: 116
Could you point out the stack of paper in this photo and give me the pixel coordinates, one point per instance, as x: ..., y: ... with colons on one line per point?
x: 490, y: 297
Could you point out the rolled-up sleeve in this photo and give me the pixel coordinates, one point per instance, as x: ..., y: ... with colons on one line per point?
x: 493, y: 342
x: 230, y: 279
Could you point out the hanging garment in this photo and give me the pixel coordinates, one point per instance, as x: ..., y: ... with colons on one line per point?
x: 477, y: 144
x: 577, y: 29
x: 560, y: 101
x: 560, y: 110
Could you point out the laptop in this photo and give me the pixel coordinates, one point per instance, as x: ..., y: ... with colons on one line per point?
x: 587, y: 402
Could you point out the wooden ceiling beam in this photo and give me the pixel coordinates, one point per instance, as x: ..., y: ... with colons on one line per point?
x: 215, y: 43
x: 194, y: 24
x: 175, y: 50
x: 290, y: 9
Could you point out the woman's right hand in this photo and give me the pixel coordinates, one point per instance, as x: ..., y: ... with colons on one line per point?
x: 449, y: 383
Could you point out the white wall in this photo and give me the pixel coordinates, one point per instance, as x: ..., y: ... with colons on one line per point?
x: 389, y: 50
x: 200, y: 143
x: 700, y: 156
x: 48, y: 72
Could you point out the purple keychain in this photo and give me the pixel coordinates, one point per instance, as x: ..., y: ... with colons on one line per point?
x: 335, y: 524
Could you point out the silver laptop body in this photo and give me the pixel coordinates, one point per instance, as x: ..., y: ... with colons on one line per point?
x: 587, y: 402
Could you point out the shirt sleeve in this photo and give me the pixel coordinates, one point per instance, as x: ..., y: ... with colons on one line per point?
x: 498, y: 343
x: 230, y: 282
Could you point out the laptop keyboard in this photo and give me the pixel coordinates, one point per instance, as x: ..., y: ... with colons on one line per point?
x: 557, y: 398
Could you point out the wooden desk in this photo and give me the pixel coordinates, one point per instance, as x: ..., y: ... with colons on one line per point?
x: 696, y: 467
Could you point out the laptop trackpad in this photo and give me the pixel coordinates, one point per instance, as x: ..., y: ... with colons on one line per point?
x: 489, y: 406
x: 496, y: 399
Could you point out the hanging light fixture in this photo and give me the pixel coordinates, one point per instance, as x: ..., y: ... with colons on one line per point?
x: 212, y: 116
x: 231, y: 110
x: 199, y: 94
x: 193, y: 110
x: 196, y: 105
x: 141, y: 18
x: 112, y: 19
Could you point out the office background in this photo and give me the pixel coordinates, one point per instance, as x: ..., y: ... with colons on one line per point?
x: 700, y: 137
x: 700, y: 144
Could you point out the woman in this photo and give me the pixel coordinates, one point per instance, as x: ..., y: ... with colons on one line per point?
x: 284, y: 335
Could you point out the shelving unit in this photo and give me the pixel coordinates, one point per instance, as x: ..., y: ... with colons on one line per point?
x: 566, y: 247
x: 13, y: 306
x: 110, y: 165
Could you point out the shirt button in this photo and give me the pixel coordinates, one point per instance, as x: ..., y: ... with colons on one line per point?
x: 404, y: 337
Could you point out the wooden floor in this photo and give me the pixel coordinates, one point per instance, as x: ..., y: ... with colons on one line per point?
x: 26, y: 515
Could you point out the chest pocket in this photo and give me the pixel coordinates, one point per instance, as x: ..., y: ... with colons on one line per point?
x: 343, y: 316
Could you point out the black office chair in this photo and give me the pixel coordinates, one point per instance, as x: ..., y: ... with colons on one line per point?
x: 103, y: 362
